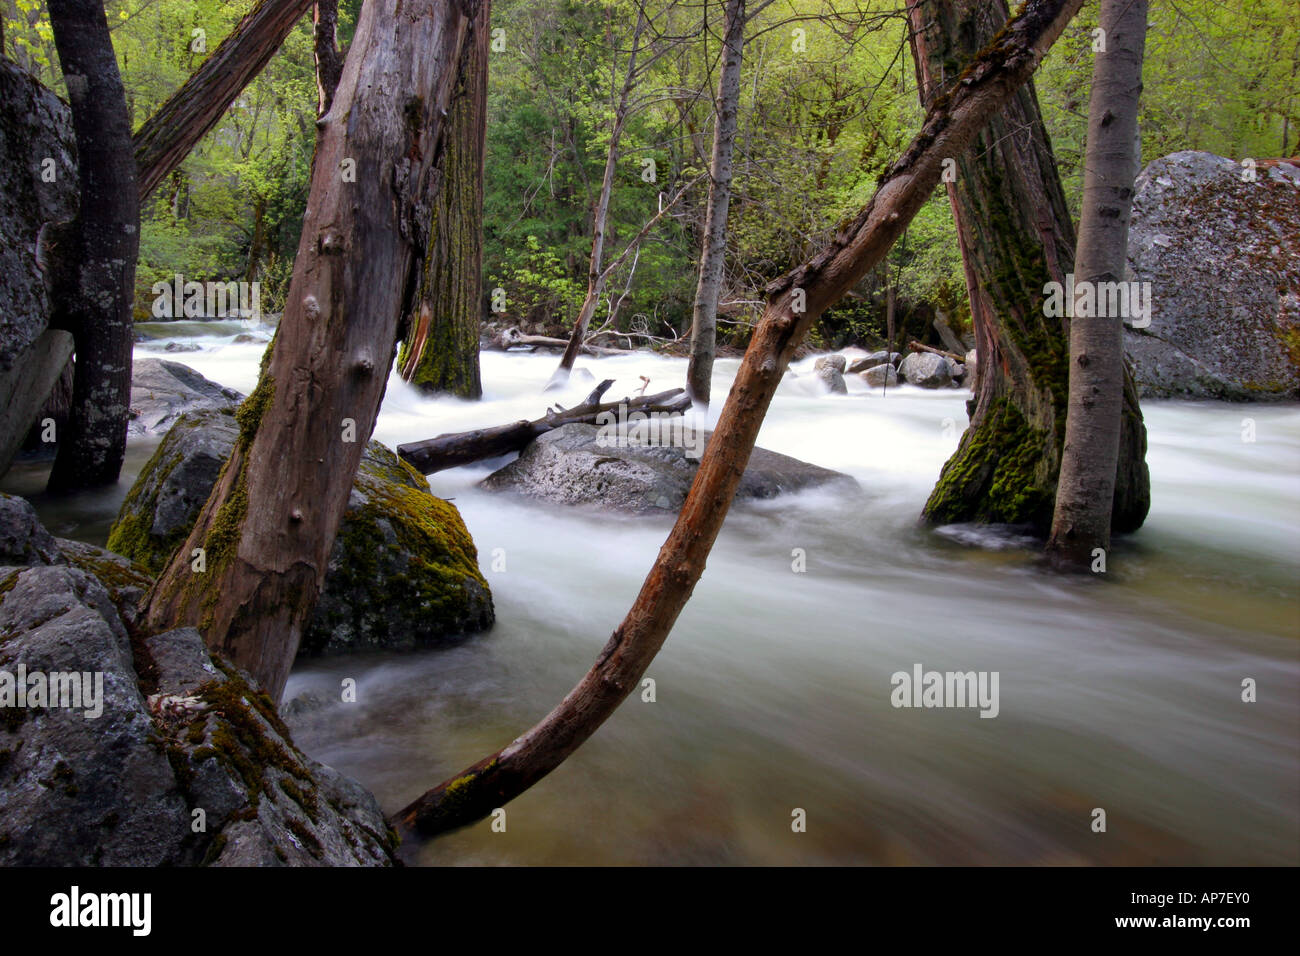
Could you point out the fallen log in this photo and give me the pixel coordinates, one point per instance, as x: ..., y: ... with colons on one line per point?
x: 916, y: 346
x: 513, y: 338
x: 463, y: 448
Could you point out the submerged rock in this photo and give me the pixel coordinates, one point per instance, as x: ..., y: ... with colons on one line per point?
x: 113, y: 767
x: 570, y: 465
x: 403, y: 572
x: 162, y: 391
x: 926, y: 370
x: 1222, y: 254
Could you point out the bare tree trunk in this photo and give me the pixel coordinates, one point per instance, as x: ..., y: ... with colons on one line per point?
x: 174, y: 129
x: 1016, y: 236
x: 704, y: 321
x: 794, y: 303
x: 270, y: 522
x: 325, y: 49
x: 100, y: 260
x: 1086, y: 488
x: 440, y: 350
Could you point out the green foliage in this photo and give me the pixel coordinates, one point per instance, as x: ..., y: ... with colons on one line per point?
x: 817, y: 127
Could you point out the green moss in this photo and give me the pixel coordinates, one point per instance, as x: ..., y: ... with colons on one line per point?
x: 132, y: 534
x: 305, y: 837
x: 252, y: 410
x: 8, y: 583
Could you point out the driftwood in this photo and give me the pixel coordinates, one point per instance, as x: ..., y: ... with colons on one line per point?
x: 462, y: 448
x: 916, y: 346
x: 513, y: 338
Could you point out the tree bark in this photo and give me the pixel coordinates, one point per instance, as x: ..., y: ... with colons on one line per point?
x: 1086, y: 487
x: 1017, y: 236
x: 704, y: 320
x: 100, y: 260
x: 325, y: 50
x: 440, y: 351
x: 176, y: 127
x: 794, y: 303
x: 270, y: 522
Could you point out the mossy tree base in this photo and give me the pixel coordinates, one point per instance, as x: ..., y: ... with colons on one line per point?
x: 1017, y: 235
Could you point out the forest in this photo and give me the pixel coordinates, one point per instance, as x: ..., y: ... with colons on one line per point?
x: 387, y: 381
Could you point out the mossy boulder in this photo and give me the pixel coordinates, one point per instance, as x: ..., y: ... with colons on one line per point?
x: 404, y: 569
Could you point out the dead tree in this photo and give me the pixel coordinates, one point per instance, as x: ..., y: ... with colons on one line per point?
x: 463, y: 448
x: 270, y: 521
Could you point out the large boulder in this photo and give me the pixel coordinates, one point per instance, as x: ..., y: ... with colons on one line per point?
x: 1222, y: 254
x: 38, y: 185
x: 38, y: 193
x: 155, y: 753
x: 163, y: 391
x: 403, y: 572
x: 576, y: 464
x: 926, y: 370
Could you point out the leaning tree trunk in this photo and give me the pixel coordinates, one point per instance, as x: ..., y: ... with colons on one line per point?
x: 268, y: 526
x: 1085, y: 490
x: 794, y: 302
x: 704, y: 322
x: 440, y: 350
x: 1017, y: 237
x: 98, y: 259
x: 176, y: 127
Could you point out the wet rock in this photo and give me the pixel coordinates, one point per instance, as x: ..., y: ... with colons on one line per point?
x: 403, y: 572
x: 570, y: 465
x: 874, y: 359
x: 829, y: 369
x: 880, y: 375
x: 23, y: 539
x: 162, y: 391
x: 926, y: 370
x: 1221, y: 254
x: 156, y: 754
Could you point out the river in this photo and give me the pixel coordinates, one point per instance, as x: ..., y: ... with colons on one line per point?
x: 772, y: 694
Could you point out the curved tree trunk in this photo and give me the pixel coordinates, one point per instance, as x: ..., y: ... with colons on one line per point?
x: 1017, y: 236
x: 440, y: 350
x: 99, y: 261
x: 704, y: 324
x: 269, y: 524
x: 903, y: 190
x: 1085, y: 491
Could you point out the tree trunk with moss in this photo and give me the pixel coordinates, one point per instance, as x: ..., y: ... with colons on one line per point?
x: 267, y: 529
x: 1017, y: 237
x: 440, y: 349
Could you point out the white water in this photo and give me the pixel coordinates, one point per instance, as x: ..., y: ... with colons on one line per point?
x: 773, y: 689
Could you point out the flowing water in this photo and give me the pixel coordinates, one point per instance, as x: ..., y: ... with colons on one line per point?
x: 773, y: 692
